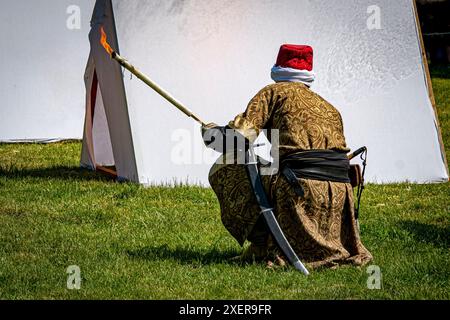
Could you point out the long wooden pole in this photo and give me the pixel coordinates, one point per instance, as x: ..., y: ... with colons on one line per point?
x: 124, y: 63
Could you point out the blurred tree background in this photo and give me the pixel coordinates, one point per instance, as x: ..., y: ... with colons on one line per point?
x: 434, y: 18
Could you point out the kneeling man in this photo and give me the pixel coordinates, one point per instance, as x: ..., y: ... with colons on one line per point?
x: 311, y: 194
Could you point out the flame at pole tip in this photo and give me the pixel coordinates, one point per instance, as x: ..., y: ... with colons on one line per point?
x: 104, y: 42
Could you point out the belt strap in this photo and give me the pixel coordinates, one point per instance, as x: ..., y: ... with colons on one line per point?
x: 293, y: 181
x: 324, y: 165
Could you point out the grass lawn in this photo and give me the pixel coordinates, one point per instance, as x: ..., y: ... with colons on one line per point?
x: 168, y: 243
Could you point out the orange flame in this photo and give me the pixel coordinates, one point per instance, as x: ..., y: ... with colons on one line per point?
x: 104, y: 42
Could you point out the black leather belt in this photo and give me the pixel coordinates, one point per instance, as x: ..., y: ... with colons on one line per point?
x: 324, y: 165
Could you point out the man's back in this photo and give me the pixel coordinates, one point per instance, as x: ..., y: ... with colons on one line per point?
x: 304, y: 119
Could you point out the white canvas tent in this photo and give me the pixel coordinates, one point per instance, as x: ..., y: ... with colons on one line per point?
x: 215, y: 55
x: 43, y: 49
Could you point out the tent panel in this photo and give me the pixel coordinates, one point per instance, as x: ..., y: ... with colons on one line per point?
x: 214, y: 60
x: 113, y: 94
x: 100, y: 134
x: 41, y: 69
x: 91, y: 85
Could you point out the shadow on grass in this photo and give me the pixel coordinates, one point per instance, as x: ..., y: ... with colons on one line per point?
x: 60, y: 172
x: 184, y: 255
x: 435, y: 235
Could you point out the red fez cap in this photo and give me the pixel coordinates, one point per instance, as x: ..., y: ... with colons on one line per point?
x: 296, y: 57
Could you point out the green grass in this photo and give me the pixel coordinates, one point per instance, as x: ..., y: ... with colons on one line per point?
x: 168, y: 243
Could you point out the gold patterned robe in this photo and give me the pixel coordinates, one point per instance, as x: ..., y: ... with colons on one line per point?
x: 321, y: 225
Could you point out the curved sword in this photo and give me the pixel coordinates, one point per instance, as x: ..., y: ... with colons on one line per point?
x: 267, y: 211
